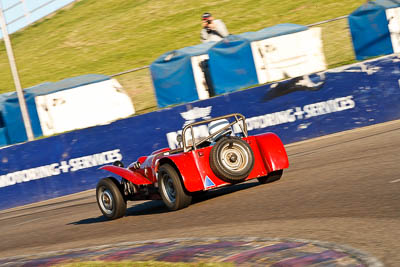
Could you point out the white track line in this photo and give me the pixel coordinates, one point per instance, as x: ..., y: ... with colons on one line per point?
x: 394, y: 181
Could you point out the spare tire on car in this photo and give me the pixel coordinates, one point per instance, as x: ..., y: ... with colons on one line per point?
x: 231, y: 159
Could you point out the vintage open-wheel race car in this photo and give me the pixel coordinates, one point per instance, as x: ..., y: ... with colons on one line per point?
x: 225, y: 157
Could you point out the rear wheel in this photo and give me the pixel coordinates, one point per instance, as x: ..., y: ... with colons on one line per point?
x: 231, y: 159
x: 171, y: 189
x: 109, y: 199
x: 271, y: 177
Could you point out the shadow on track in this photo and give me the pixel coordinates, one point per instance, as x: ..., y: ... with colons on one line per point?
x: 203, y: 196
x: 146, y: 208
x: 158, y: 207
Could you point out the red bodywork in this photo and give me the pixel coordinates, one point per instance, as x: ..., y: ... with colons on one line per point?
x: 194, y: 167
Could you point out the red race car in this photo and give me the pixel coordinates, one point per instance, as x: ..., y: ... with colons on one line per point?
x: 226, y: 156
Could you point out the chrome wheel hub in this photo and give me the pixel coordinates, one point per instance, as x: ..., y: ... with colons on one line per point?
x: 234, y: 157
x: 106, y: 201
x: 169, y: 188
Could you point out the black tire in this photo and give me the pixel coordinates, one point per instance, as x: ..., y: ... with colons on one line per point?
x: 271, y: 177
x: 110, y: 199
x: 231, y: 159
x: 171, y: 189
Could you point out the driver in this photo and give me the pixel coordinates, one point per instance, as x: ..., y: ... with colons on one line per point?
x: 217, y: 125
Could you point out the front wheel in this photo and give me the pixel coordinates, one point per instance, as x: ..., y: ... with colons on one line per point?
x: 271, y: 177
x: 109, y: 199
x: 171, y: 189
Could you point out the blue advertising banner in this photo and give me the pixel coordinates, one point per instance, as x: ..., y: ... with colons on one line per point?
x: 297, y: 109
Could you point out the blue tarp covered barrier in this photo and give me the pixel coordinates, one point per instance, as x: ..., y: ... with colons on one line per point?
x: 173, y: 77
x: 14, y: 128
x: 231, y: 66
x: 369, y: 29
x: 231, y: 60
x: 296, y: 109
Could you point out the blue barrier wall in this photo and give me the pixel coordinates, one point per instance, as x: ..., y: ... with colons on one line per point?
x: 297, y: 109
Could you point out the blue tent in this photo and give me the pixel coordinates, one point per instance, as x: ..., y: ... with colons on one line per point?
x: 369, y: 29
x: 231, y: 61
x: 14, y: 129
x: 173, y: 77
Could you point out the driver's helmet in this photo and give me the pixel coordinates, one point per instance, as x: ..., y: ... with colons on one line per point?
x: 217, y: 125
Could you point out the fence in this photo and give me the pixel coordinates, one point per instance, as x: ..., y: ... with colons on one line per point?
x: 22, y: 13
x: 338, y: 50
x: 147, y: 66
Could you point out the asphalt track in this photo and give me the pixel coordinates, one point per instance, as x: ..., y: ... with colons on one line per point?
x: 343, y: 189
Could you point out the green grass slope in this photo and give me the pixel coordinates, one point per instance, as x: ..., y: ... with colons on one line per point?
x: 107, y: 37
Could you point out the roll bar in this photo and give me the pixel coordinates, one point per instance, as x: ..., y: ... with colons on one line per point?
x: 238, y: 117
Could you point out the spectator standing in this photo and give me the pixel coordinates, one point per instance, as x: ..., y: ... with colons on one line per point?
x: 213, y: 29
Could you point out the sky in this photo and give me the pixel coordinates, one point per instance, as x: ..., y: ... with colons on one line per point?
x: 36, y: 9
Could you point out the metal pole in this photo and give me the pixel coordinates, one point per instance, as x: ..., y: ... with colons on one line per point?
x: 128, y: 71
x: 14, y: 71
x: 326, y: 21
